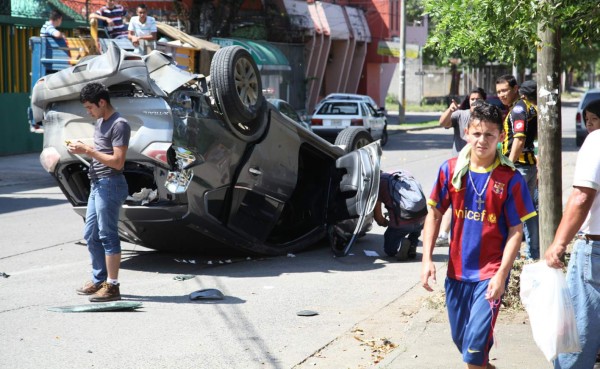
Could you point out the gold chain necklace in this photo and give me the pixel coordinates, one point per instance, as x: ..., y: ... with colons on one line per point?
x: 479, y: 200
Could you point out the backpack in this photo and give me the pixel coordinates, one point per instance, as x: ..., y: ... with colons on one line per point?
x: 408, y: 199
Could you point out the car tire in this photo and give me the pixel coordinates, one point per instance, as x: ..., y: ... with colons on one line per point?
x: 384, y: 136
x: 235, y: 84
x: 353, y: 138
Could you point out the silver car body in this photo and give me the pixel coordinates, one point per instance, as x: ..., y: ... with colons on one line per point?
x: 198, y: 177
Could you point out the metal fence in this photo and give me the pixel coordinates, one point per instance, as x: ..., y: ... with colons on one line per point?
x: 15, y: 58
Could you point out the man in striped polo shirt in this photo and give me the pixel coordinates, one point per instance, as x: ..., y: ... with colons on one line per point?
x: 113, y: 17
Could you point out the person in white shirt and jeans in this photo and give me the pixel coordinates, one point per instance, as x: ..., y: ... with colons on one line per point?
x: 582, y: 214
x: 142, y: 30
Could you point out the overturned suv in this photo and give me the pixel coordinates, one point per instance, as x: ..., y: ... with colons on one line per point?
x: 210, y: 162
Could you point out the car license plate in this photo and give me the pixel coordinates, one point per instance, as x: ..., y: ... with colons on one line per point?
x: 336, y: 122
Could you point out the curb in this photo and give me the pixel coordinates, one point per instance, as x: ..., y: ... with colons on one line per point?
x: 394, y: 130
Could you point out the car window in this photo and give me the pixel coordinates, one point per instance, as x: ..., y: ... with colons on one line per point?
x: 370, y: 109
x: 339, y: 108
x: 290, y: 112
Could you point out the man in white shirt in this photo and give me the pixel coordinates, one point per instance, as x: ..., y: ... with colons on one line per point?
x: 142, y: 30
x: 583, y: 275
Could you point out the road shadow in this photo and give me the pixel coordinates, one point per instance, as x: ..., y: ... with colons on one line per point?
x: 423, y: 140
x: 318, y: 258
x: 183, y: 299
x: 12, y: 204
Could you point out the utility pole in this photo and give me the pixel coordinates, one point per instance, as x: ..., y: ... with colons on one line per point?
x: 402, y: 63
x: 549, y: 132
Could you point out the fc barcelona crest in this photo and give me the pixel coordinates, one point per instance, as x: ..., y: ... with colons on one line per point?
x: 498, y: 188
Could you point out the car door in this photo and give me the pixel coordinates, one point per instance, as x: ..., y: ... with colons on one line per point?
x: 376, y: 121
x: 361, y: 185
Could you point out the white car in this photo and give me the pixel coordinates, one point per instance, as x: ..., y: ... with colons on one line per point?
x: 580, y: 130
x: 333, y: 116
x: 356, y: 97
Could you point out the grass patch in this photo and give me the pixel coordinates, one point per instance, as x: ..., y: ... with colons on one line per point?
x: 416, y: 108
x: 413, y: 126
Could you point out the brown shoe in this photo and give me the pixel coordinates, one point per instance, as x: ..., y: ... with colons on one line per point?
x: 108, y: 292
x: 89, y: 288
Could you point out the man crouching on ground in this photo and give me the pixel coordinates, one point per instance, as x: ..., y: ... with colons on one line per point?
x: 490, y: 202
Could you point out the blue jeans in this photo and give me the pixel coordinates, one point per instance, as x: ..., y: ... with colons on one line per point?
x: 101, y: 222
x: 394, y: 235
x: 583, y: 280
x: 531, y: 228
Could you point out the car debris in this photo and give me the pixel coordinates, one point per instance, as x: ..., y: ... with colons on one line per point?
x: 99, y: 307
x: 183, y: 277
x: 207, y: 294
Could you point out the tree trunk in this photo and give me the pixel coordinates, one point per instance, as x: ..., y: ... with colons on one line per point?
x: 455, y: 81
x: 549, y: 133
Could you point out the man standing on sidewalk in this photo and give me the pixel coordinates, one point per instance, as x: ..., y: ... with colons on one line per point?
x: 490, y: 201
x: 583, y: 276
x: 520, y: 126
x: 107, y: 194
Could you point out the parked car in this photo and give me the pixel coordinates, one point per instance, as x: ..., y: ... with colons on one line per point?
x: 210, y: 162
x: 287, y: 110
x: 354, y: 97
x: 580, y: 130
x: 333, y: 116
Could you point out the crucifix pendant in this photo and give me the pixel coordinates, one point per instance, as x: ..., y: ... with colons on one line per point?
x: 479, y: 202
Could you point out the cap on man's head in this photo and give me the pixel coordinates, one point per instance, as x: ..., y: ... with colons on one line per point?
x: 528, y: 88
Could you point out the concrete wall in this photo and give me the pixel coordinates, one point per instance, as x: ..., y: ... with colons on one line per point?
x: 430, y: 80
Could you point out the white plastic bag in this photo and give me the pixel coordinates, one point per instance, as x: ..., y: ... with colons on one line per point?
x: 546, y: 298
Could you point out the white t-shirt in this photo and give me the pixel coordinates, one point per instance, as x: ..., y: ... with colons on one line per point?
x: 142, y: 29
x: 587, y: 174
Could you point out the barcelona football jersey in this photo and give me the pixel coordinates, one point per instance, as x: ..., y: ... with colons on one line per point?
x: 480, y: 224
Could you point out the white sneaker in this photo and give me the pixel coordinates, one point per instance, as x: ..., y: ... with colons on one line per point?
x: 442, y: 241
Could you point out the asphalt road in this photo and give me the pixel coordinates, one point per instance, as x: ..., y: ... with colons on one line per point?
x: 255, y: 326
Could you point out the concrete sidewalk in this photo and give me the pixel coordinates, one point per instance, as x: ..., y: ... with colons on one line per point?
x: 409, y: 334
x: 427, y: 342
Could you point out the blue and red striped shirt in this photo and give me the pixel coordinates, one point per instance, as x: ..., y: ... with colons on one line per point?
x: 479, y: 234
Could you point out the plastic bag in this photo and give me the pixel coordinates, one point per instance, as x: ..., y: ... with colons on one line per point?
x: 546, y: 298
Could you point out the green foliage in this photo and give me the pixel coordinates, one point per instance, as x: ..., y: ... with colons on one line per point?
x: 478, y: 31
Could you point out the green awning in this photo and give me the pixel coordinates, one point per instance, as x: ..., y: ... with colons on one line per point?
x: 266, y: 56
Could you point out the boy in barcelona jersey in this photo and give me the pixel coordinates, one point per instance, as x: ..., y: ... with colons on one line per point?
x: 489, y: 201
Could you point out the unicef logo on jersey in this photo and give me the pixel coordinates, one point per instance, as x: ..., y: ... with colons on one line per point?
x: 476, y: 215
